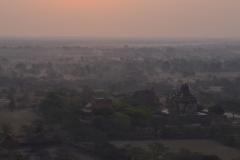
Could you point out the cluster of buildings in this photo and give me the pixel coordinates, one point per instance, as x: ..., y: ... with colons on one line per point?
x: 183, y: 102
x: 139, y: 98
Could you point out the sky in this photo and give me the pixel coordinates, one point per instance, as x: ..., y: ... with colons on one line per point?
x: 120, y: 18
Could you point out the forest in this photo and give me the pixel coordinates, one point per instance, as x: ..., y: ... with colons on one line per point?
x: 45, y: 89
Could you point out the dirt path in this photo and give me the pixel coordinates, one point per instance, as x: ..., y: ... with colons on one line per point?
x: 17, y: 118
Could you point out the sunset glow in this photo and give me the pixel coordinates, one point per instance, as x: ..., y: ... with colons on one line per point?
x: 134, y: 18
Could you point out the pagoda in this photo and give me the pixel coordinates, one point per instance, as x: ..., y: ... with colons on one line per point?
x: 183, y: 101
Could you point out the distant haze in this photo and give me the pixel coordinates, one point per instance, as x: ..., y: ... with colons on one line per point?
x: 120, y: 18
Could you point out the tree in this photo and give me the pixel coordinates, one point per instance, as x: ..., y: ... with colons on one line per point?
x: 119, y: 106
x: 116, y: 125
x: 138, y: 115
x: 170, y: 49
x: 14, y: 74
x: 99, y: 138
x: 4, y: 91
x: 229, y: 140
x: 145, y: 98
x: 122, y: 118
x: 215, y: 67
x: 5, y: 61
x: 103, y: 111
x: 88, y: 69
x: 156, y: 151
x: 225, y: 82
x: 64, y: 155
x: 21, y: 68
x: 110, y: 152
x: 8, y: 141
x: 9, y: 144
x: 52, y: 74
x: 217, y: 109
x: 200, y: 107
x: 54, y: 108
x: 87, y: 93
x: 231, y: 106
x: 220, y: 130
x: 97, y: 121
x: 158, y: 123
x: 12, y: 90
x: 137, y: 153
x: 43, y: 154
x: 6, y: 128
x: 165, y: 66
x: 37, y: 126
x: 185, y: 154
x: 11, y: 104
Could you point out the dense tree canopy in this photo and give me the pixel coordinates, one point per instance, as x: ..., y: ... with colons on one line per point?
x: 217, y: 109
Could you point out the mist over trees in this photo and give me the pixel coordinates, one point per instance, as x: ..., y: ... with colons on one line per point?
x: 57, y: 84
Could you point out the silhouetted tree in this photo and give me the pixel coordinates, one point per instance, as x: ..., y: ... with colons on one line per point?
x: 165, y: 66
x: 11, y: 104
x: 158, y: 123
x: 217, y: 109
x: 6, y: 128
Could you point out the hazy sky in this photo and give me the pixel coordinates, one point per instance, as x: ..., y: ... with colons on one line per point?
x: 120, y: 18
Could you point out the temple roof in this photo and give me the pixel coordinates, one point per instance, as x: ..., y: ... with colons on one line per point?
x: 184, y: 88
x: 184, y: 95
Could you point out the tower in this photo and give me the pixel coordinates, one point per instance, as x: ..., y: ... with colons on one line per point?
x: 183, y: 101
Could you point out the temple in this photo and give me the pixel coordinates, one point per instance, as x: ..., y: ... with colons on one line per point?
x: 184, y: 102
x: 144, y: 97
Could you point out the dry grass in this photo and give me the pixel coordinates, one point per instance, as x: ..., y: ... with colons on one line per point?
x: 204, y: 146
x: 215, y: 88
x: 17, y: 118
